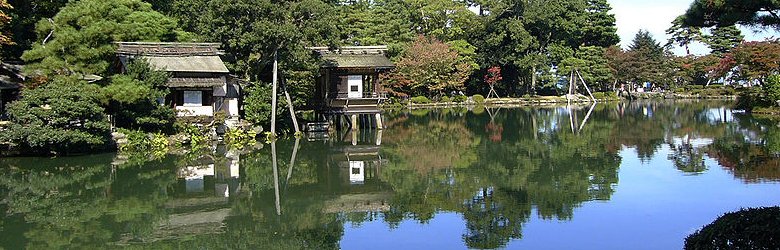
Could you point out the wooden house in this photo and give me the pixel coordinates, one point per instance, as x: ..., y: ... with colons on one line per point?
x: 200, y: 84
x: 349, y: 82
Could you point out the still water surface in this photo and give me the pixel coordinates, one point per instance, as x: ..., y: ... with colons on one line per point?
x: 619, y: 176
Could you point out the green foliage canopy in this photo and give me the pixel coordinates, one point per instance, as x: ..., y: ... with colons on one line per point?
x: 79, y: 39
x: 64, y: 116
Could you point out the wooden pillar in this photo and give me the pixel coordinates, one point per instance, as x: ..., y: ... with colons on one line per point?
x: 379, y: 121
x: 354, y: 122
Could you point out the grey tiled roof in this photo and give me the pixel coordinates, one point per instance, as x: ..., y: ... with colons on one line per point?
x: 210, y: 64
x: 354, y: 57
x: 176, y: 57
x: 197, y: 82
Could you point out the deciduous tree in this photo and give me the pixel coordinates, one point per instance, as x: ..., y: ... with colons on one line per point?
x: 428, y: 67
x: 4, y: 20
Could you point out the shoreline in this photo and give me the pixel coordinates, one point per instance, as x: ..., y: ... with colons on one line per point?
x: 554, y: 100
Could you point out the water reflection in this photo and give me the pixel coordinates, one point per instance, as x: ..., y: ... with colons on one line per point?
x: 498, y: 169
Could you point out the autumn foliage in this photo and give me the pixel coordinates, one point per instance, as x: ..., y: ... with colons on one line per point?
x: 493, y: 75
x: 751, y: 61
x: 4, y: 19
x: 428, y: 67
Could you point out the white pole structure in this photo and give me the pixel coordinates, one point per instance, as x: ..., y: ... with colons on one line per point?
x: 273, y: 97
x: 586, y: 86
x: 290, y: 107
x: 592, y: 106
x: 276, y: 179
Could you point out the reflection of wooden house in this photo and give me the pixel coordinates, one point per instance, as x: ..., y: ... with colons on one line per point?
x: 200, y: 83
x: 11, y: 79
x: 359, y: 157
x: 349, y: 82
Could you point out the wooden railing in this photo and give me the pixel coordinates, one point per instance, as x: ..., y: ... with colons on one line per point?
x: 365, y: 95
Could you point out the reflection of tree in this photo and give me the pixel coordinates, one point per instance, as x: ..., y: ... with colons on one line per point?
x: 493, y: 217
x: 749, y: 160
x: 79, y: 203
x: 687, y: 158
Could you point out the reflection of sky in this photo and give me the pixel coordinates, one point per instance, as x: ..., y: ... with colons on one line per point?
x: 442, y: 232
x: 655, y: 206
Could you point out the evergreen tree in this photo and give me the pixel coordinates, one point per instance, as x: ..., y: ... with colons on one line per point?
x: 723, y: 39
x: 80, y: 38
x: 599, y: 29
x: 649, y: 58
x: 754, y: 13
x: 25, y: 14
x: 683, y: 35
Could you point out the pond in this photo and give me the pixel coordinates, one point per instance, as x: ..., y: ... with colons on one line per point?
x: 612, y: 176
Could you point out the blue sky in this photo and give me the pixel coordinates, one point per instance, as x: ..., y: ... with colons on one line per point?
x: 656, y: 16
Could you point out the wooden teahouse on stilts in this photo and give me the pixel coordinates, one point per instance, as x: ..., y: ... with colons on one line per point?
x: 349, y: 85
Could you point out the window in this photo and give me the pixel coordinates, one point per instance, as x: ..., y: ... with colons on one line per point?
x: 193, y: 98
x: 354, y: 88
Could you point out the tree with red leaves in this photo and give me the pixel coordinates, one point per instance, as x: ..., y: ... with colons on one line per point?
x: 751, y: 61
x: 428, y: 67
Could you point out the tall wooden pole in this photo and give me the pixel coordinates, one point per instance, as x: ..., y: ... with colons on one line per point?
x: 273, y: 96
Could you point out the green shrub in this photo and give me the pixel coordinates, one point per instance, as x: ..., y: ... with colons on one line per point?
x: 460, y: 98
x: 527, y: 96
x: 420, y: 100
x: 63, y: 116
x: 598, y: 95
x: 612, y: 94
x: 679, y: 90
x: 772, y: 89
x: 692, y: 87
x: 752, y: 228
x: 478, y: 98
x: 446, y: 99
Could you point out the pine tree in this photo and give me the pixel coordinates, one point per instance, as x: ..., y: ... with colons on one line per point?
x: 683, y: 35
x: 723, y: 39
x: 599, y: 29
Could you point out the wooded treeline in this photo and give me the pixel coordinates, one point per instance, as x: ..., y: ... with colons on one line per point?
x: 440, y: 47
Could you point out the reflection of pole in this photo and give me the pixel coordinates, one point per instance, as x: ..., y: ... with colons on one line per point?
x: 276, y: 178
x: 292, y: 160
x: 571, y: 118
x: 586, y: 117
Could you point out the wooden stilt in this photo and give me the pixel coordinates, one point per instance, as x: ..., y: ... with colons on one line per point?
x: 354, y: 122
x: 379, y: 121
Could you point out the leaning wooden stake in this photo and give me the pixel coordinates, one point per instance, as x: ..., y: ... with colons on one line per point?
x: 273, y: 97
x: 586, y: 86
x: 290, y: 107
